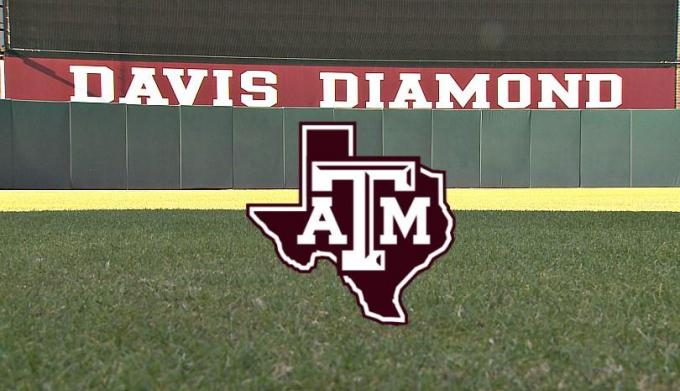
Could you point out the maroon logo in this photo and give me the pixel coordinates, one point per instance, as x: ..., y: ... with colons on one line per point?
x: 380, y: 220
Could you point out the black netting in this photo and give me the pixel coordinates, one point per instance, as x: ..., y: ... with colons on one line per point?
x: 413, y: 30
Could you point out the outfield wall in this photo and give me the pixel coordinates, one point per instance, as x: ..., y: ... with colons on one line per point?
x: 112, y: 80
x: 52, y: 145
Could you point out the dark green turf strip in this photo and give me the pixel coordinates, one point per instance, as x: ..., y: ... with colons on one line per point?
x: 165, y: 299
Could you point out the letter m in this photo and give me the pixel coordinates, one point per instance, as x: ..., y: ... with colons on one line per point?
x: 417, y: 213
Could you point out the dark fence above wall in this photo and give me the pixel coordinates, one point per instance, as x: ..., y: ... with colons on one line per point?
x: 96, y: 146
x: 424, y: 31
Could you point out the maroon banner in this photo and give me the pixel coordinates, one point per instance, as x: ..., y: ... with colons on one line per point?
x: 163, y: 83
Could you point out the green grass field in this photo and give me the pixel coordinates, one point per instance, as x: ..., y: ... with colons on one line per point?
x: 197, y: 299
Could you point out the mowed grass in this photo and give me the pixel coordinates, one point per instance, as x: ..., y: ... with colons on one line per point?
x: 197, y: 299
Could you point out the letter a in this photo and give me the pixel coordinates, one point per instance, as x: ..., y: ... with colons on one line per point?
x: 322, y: 219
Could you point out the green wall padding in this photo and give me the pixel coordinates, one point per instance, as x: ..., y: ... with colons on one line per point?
x: 408, y: 133
x: 455, y: 146
x: 292, y: 119
x: 656, y: 148
x: 6, y: 155
x: 369, y: 129
x: 258, y: 148
x: 605, y: 148
x: 555, y: 148
x: 505, y: 139
x: 41, y: 145
x: 153, y: 147
x: 207, y: 147
x: 49, y: 145
x: 98, y: 146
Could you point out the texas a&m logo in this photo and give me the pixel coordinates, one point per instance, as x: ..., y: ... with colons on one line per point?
x: 380, y: 220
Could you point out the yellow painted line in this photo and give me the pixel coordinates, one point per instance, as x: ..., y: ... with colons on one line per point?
x: 44, y: 200
x: 637, y: 199
x: 619, y: 199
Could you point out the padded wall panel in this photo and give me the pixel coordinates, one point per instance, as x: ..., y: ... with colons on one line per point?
x: 455, y: 146
x: 408, y: 133
x: 6, y: 155
x: 41, y: 145
x: 258, y: 148
x: 555, y: 148
x: 292, y: 119
x: 505, y: 140
x: 605, y: 148
x: 98, y: 143
x: 369, y: 129
x: 207, y: 147
x: 656, y: 148
x: 153, y: 147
